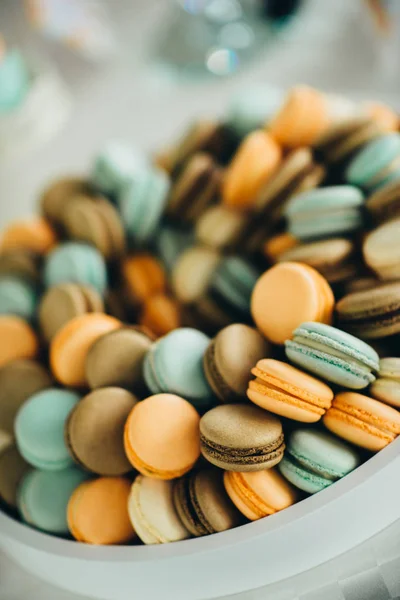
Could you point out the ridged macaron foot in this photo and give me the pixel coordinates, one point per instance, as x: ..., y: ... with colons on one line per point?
x: 94, y: 431
x: 363, y: 421
x: 152, y: 512
x: 175, y: 364
x: 39, y: 428
x: 18, y: 340
x: 97, y: 512
x: 377, y: 163
x: 325, y: 212
x: 277, y: 311
x: 240, y: 437
x: 387, y: 386
x: 13, y: 468
x: 17, y: 297
x: 259, y: 494
x: 315, y: 459
x: 162, y: 438
x: 229, y: 359
x: 287, y: 391
x: 371, y: 313
x: 333, y: 355
x: 35, y: 235
x: 75, y: 262
x: 43, y: 498
x: 203, y: 504
x: 116, y: 359
x: 382, y: 252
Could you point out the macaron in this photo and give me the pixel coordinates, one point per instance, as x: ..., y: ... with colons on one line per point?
x: 240, y: 437
x: 363, y: 421
x: 97, y: 512
x: 256, y: 160
x: 203, y: 504
x: 152, y: 512
x: 116, y: 164
x: 162, y: 437
x: 333, y: 355
x: 315, y: 459
x: 70, y: 347
x: 382, y: 252
x: 94, y: 432
x: 175, y: 364
x: 13, y: 468
x: 253, y: 106
x: 170, y: 242
x: 59, y: 192
x: 75, y: 262
x: 371, y: 313
x: 142, y: 201
x: 220, y: 227
x: 275, y: 246
x: 63, y: 302
x: 384, y: 204
x: 377, y: 163
x: 387, y: 386
x: 161, y: 314
x: 95, y: 221
x: 196, y: 187
x: 193, y: 271
x: 116, y: 359
x: 35, y: 235
x: 334, y: 258
x: 259, y: 494
x: 19, y: 380
x: 23, y: 264
x: 383, y: 115
x: 17, y: 297
x: 287, y: 391
x: 229, y: 359
x: 325, y: 212
x: 43, y: 498
x: 143, y: 276
x: 19, y: 340
x: 277, y: 311
x: 39, y: 428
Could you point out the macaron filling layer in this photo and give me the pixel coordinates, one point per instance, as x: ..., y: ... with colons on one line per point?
x: 186, y: 495
x: 242, y: 456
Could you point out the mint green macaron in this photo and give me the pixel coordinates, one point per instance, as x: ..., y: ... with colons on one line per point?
x: 17, y: 297
x: 232, y: 286
x: 377, y: 163
x: 114, y: 166
x: 333, y: 355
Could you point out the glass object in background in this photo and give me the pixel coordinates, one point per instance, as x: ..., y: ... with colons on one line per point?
x: 216, y: 37
x: 34, y: 103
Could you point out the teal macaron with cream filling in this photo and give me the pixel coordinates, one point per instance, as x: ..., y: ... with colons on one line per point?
x: 39, y: 429
x: 377, y: 164
x: 333, y: 355
x: 17, y: 297
x: 315, y: 459
x: 325, y: 212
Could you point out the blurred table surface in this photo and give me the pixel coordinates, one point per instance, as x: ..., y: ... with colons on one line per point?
x: 328, y: 46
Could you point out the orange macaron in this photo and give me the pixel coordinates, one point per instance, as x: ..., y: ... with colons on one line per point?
x: 98, y: 512
x: 70, y: 346
x: 18, y: 339
x: 143, y: 277
x: 161, y: 314
x: 35, y: 235
x: 162, y: 436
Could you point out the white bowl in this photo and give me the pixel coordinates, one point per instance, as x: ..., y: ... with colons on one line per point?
x: 290, y: 552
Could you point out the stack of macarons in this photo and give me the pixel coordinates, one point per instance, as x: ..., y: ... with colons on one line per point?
x: 202, y: 339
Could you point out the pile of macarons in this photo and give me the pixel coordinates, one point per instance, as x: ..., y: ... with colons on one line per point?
x: 205, y: 337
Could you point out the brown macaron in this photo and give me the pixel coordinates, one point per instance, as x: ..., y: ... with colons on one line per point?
x: 12, y: 470
x: 97, y: 222
x: 203, y: 505
x: 64, y: 302
x: 19, y: 380
x: 59, y: 193
x: 116, y: 359
x: 229, y: 359
x: 23, y: 264
x: 94, y: 432
x: 384, y: 204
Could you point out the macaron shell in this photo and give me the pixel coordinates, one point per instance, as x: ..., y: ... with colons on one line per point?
x: 70, y: 347
x: 12, y: 470
x: 219, y: 227
x: 143, y: 276
x: 363, y: 421
x: 193, y: 272
x: 387, y: 391
x: 259, y: 494
x: 17, y: 297
x: 98, y: 512
x: 59, y: 192
x: 21, y: 263
x: 161, y: 314
x: 35, y: 235
x: 302, y: 478
x: 381, y: 251
x: 18, y: 340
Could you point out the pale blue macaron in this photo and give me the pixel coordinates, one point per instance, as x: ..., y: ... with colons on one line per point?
x: 14, y: 80
x: 43, y: 498
x: 315, y: 459
x: 142, y: 202
x: 232, y: 285
x: 325, y: 212
x: 170, y: 242
x: 17, y: 297
x: 333, y: 355
x: 39, y: 428
x: 115, y: 166
x: 76, y: 262
x: 253, y: 107
x: 174, y: 364
x: 377, y: 163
